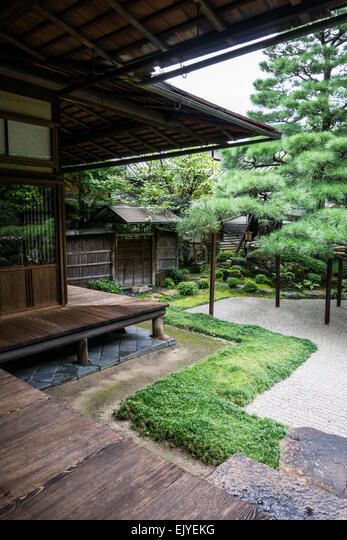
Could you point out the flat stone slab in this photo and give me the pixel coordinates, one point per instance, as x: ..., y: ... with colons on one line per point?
x: 273, y: 491
x: 318, y: 458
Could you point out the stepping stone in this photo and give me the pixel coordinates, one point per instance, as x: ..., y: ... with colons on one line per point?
x: 275, y: 492
x: 317, y: 457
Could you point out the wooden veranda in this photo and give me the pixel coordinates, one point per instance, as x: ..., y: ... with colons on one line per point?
x: 67, y: 467
x: 88, y: 314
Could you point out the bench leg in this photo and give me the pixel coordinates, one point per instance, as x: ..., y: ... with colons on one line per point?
x: 158, y: 329
x: 82, y: 352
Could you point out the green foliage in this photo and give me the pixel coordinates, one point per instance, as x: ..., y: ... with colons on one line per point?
x: 261, y: 279
x: 105, y: 285
x: 224, y: 255
x: 174, y: 183
x: 315, y: 278
x: 203, y: 283
x: 305, y: 86
x: 177, y: 274
x: 250, y: 287
x: 199, y: 408
x: 169, y: 283
x: 233, y: 282
x: 89, y: 190
x: 219, y: 273
x: 235, y: 271
x: 187, y: 288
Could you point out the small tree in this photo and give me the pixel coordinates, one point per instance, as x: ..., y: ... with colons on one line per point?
x: 174, y: 183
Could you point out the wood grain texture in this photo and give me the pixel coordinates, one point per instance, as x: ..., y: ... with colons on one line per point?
x: 58, y: 464
x: 89, y: 312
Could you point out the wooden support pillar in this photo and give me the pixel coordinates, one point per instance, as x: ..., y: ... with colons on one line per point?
x: 213, y: 272
x: 339, y: 283
x: 328, y: 290
x: 82, y: 352
x: 158, y: 329
x: 278, y: 280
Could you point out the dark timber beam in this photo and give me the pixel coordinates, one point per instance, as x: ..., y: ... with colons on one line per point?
x: 329, y: 276
x: 263, y: 44
x: 212, y: 273
x: 11, y: 10
x: 78, y: 35
x: 249, y: 29
x: 158, y: 155
x: 339, y: 283
x: 21, y: 45
x: 136, y: 24
x: 211, y: 15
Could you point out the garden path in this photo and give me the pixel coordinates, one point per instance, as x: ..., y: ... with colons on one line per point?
x: 315, y: 395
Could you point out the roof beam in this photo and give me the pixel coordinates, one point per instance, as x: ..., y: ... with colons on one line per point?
x: 247, y: 30
x: 21, y: 45
x: 78, y: 35
x: 263, y: 44
x: 136, y: 24
x: 11, y: 10
x: 211, y: 15
x: 159, y: 155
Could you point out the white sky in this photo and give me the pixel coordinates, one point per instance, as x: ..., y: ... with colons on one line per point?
x: 228, y: 84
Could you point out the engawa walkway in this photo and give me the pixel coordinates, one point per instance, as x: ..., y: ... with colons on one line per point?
x: 315, y: 395
x: 58, y: 464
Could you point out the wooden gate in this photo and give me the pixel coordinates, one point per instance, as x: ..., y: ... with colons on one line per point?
x: 133, y: 259
x: 88, y: 257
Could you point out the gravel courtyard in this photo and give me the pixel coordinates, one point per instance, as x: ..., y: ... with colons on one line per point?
x: 315, y: 395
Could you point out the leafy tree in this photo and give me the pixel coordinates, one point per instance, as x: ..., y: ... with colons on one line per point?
x: 86, y: 191
x: 174, y: 183
x: 305, y: 87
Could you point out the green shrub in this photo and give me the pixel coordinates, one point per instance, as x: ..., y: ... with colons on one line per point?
x: 315, y: 278
x: 203, y: 283
x: 224, y: 255
x: 169, y: 283
x: 177, y: 274
x: 105, y: 285
x: 219, y: 273
x: 261, y: 278
x: 233, y: 282
x: 235, y: 271
x: 250, y: 287
x: 344, y: 285
x: 187, y: 288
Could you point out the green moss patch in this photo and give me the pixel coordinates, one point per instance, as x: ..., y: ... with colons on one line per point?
x: 200, y: 408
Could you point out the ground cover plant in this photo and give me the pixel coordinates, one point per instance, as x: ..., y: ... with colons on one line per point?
x: 201, y: 408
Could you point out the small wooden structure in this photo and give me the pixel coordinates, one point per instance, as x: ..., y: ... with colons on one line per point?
x: 135, y: 247
x: 88, y: 314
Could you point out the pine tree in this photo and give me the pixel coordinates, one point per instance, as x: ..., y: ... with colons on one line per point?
x: 305, y: 88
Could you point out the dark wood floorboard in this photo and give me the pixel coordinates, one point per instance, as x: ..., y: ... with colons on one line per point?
x: 56, y: 463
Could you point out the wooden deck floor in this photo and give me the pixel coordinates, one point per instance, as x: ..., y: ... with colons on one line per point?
x: 88, y: 313
x: 58, y: 464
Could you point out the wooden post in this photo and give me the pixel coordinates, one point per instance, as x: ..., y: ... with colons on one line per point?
x: 328, y: 290
x: 213, y: 272
x: 113, y: 257
x: 339, y: 283
x: 82, y: 352
x: 278, y: 280
x: 158, y: 329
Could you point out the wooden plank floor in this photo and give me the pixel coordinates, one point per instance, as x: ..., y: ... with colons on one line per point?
x: 58, y: 464
x: 86, y: 310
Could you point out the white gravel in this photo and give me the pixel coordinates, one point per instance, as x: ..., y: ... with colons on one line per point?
x: 315, y: 395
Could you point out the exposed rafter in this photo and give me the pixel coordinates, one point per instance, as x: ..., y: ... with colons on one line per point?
x: 209, y: 13
x: 136, y: 24
x: 21, y: 45
x: 240, y: 32
x: 78, y: 35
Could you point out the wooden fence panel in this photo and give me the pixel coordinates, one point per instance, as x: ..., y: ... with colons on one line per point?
x: 88, y: 257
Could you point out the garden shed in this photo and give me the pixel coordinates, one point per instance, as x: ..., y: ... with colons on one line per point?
x: 134, y: 246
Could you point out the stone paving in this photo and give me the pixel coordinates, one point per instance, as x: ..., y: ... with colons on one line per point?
x: 56, y: 367
x: 315, y: 395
